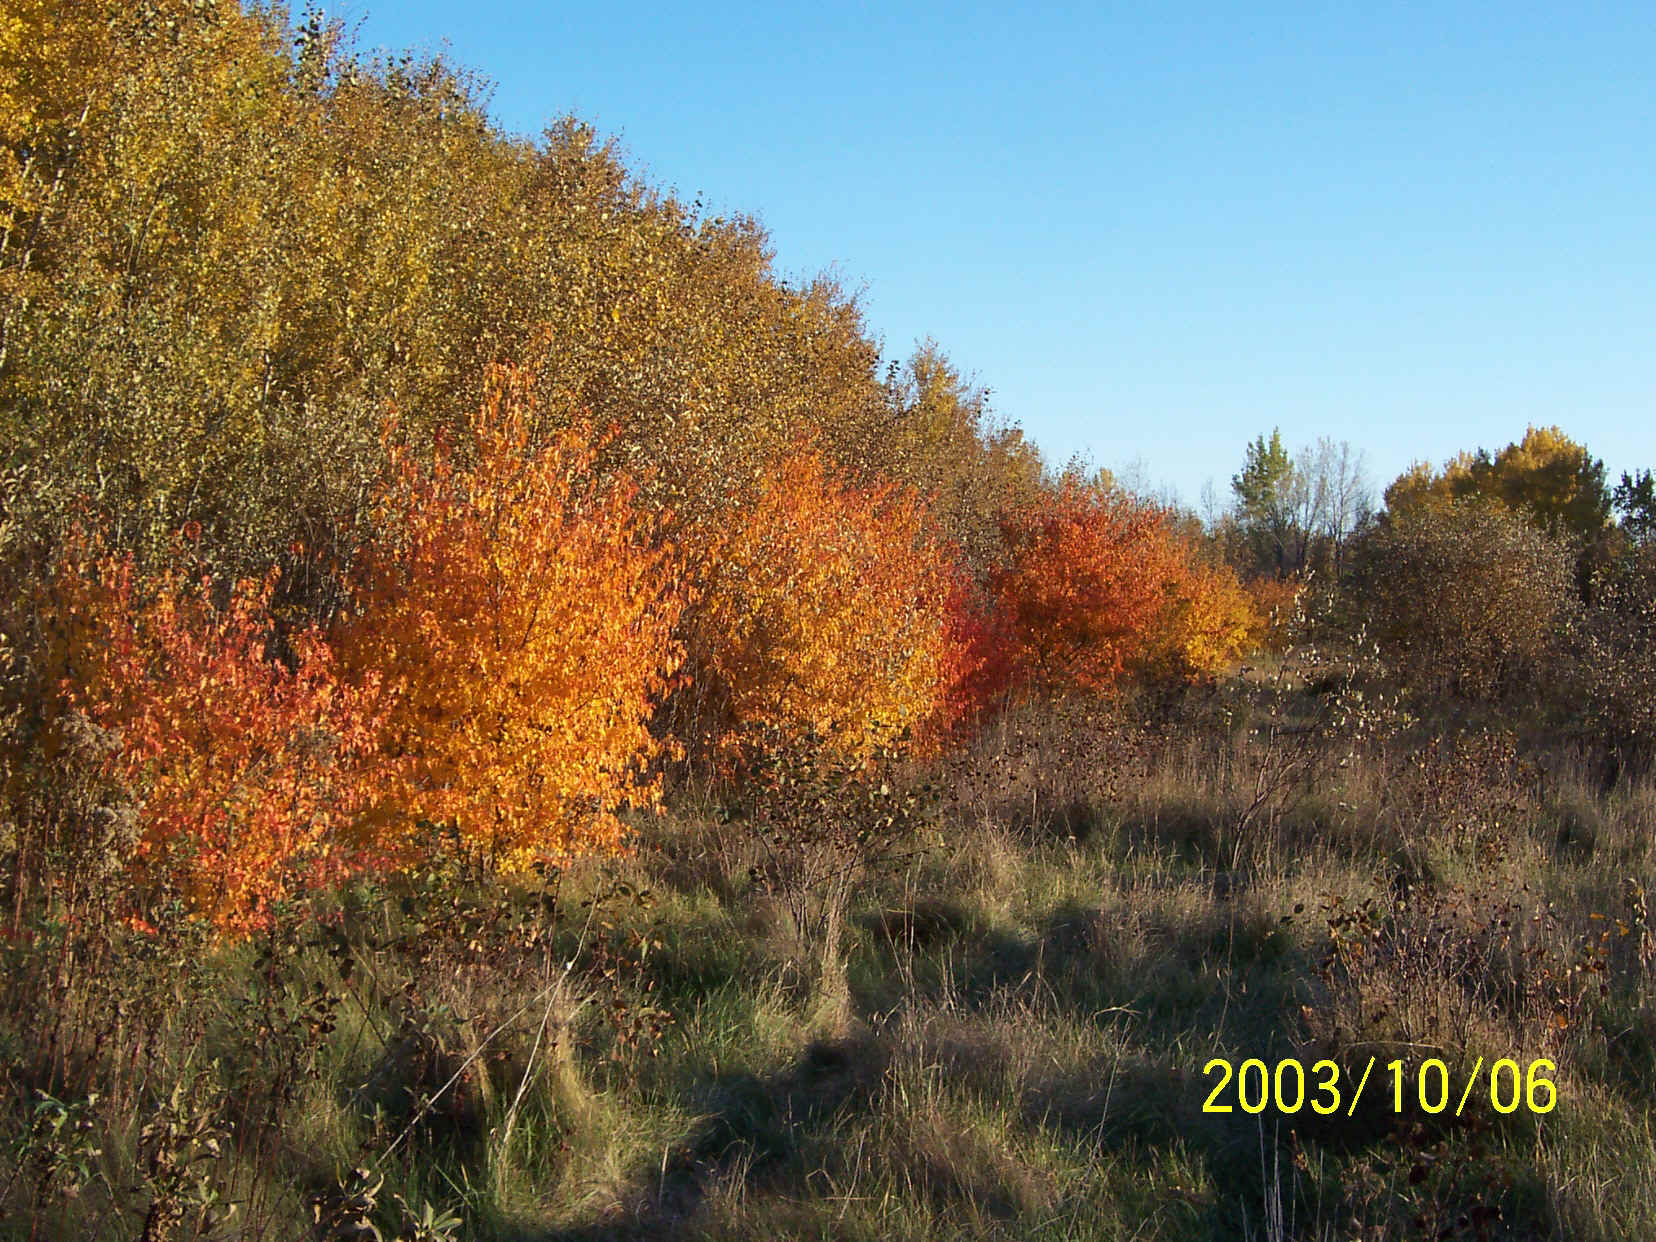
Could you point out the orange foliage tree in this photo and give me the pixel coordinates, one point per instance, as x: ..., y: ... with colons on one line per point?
x: 520, y: 613
x: 824, y: 613
x: 984, y: 669
x: 247, y: 773
x: 1096, y: 585
x: 1083, y: 586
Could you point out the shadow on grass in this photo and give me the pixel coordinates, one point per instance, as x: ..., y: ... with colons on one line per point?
x: 1228, y: 983
x: 756, y: 1131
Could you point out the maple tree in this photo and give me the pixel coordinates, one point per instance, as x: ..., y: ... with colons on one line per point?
x: 519, y: 612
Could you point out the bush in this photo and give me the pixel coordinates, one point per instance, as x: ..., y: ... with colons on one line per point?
x: 1208, y: 623
x: 1277, y: 602
x: 824, y: 613
x: 1616, y: 661
x: 520, y: 617
x: 1083, y: 588
x: 244, y: 773
x: 1465, y: 597
x: 1097, y: 585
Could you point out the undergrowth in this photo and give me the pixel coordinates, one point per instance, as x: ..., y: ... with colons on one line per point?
x: 970, y: 1002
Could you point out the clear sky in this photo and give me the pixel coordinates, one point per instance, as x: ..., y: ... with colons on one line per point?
x: 1155, y: 230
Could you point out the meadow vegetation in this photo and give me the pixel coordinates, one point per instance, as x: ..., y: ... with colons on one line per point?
x: 512, y: 726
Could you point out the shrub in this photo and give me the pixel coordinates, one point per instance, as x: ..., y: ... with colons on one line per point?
x: 1084, y: 587
x: 520, y: 615
x: 246, y: 773
x: 1616, y: 661
x: 824, y: 613
x: 984, y: 672
x: 1208, y: 622
x: 1276, y: 602
x: 1463, y: 596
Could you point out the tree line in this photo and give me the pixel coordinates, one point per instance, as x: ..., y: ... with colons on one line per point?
x: 377, y: 486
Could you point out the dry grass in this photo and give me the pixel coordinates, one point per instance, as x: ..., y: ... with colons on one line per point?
x: 1010, y: 1044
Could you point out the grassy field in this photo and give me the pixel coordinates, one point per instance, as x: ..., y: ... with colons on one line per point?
x: 976, y: 1008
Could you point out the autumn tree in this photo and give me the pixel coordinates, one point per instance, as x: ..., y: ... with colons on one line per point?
x: 945, y: 443
x: 228, y: 242
x: 518, y: 612
x: 1417, y: 486
x: 1546, y: 477
x: 55, y: 65
x: 1208, y: 622
x: 245, y: 775
x: 1085, y: 584
x: 257, y: 238
x: 822, y: 612
x: 985, y: 656
x: 1556, y: 480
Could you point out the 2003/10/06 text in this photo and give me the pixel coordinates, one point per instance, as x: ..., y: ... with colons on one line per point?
x: 1291, y: 1086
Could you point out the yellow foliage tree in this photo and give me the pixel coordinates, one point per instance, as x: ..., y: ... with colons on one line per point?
x: 53, y: 57
x: 1546, y: 477
x: 1209, y: 621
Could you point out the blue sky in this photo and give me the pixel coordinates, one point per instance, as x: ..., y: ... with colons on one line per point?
x: 1155, y: 231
